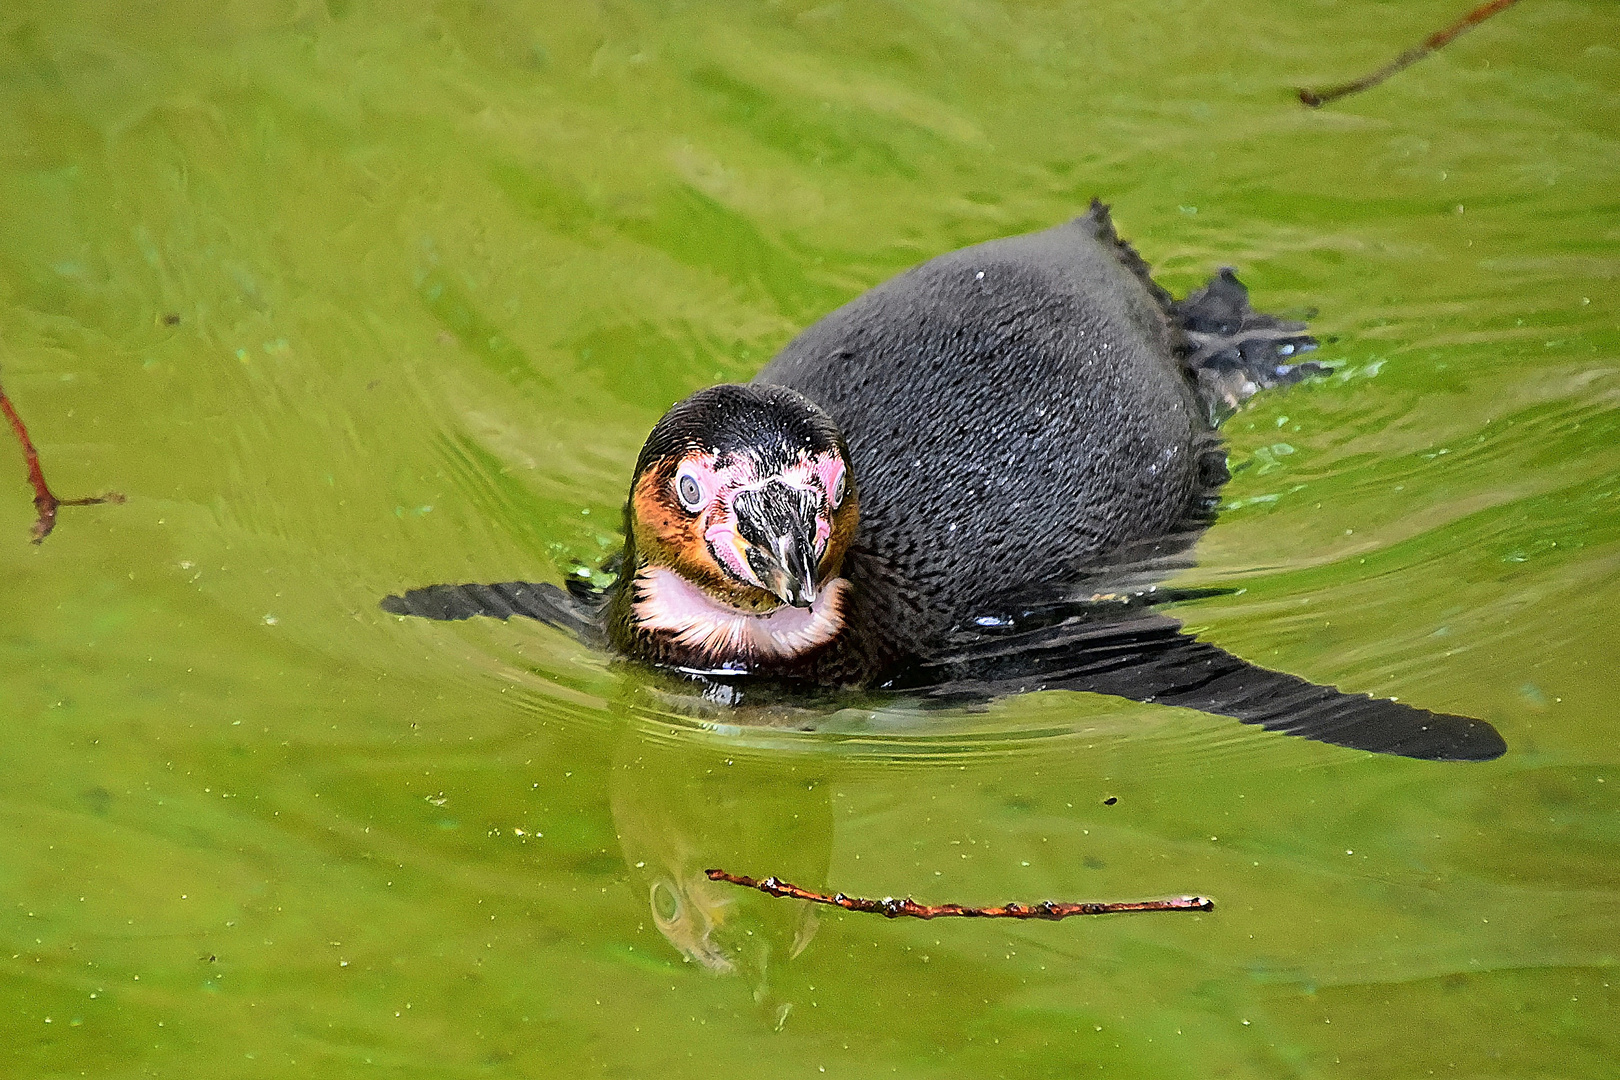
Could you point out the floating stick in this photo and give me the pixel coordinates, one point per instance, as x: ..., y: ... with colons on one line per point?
x: 891, y: 908
x: 1317, y: 98
x: 45, y: 502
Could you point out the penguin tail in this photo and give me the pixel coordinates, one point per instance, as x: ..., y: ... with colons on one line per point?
x: 1232, y: 352
x: 1101, y: 223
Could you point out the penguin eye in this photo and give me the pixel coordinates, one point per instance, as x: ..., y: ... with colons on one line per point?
x: 840, y: 487
x: 689, y: 491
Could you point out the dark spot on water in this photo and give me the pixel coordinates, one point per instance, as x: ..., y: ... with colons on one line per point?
x: 171, y: 319
x: 1091, y: 862
x: 1111, y: 800
x: 98, y: 800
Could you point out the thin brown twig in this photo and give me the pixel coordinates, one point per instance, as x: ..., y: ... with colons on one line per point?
x: 45, y: 501
x: 891, y: 908
x: 1438, y: 40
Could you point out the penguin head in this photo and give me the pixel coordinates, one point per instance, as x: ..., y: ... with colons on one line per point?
x: 746, y: 493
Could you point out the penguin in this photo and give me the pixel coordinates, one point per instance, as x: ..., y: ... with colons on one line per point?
x: 964, y: 483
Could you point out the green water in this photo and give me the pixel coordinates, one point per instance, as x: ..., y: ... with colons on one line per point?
x: 437, y: 269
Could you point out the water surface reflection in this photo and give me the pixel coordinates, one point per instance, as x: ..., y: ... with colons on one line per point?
x: 678, y: 813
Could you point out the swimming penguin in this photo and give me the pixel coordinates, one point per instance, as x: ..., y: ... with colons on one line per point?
x: 962, y: 484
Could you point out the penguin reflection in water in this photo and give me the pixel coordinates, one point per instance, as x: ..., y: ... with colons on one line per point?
x: 962, y: 484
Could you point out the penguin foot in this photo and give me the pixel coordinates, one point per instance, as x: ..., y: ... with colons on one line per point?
x: 1232, y: 351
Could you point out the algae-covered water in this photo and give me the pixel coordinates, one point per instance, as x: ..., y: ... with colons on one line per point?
x: 350, y: 297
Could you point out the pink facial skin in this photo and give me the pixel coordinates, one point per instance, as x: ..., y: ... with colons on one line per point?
x: 719, y: 486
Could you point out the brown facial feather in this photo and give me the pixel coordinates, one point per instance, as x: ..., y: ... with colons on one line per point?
x: 844, y: 521
x: 667, y: 534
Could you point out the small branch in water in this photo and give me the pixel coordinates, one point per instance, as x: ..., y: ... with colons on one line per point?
x: 891, y: 908
x: 45, y: 502
x: 1438, y: 40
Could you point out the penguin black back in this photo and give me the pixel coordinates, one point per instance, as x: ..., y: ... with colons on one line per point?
x: 1017, y: 415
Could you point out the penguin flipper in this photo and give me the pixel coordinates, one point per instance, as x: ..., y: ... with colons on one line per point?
x: 1147, y: 658
x: 578, y: 613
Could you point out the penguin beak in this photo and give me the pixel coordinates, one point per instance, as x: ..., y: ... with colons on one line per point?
x: 778, y: 525
x: 790, y: 571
